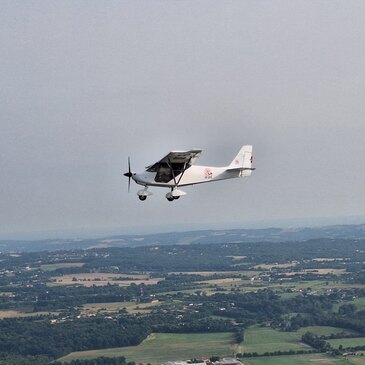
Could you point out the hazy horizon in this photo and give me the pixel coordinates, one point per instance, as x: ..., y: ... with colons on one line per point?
x: 309, y: 222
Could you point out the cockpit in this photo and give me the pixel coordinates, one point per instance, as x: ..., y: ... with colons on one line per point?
x: 166, y: 172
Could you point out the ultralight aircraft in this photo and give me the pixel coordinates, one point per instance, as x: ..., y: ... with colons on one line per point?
x: 177, y: 169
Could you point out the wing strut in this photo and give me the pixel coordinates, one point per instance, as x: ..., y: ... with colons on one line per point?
x: 172, y: 170
x: 182, y: 174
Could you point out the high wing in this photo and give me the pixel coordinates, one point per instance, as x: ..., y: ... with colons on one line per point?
x: 177, y: 157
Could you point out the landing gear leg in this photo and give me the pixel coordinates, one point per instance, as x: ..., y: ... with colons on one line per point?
x: 143, y: 194
x: 174, y: 194
x: 169, y: 196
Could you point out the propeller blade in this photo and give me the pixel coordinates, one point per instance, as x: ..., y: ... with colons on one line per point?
x: 129, y: 173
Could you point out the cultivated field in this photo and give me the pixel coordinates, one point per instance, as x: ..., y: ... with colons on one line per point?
x: 237, y: 258
x: 101, y: 279
x: 248, y: 273
x: 317, y: 272
x: 130, y: 307
x: 220, y: 281
x: 357, y: 360
x: 326, y: 259
x: 308, y: 359
x: 266, y: 339
x: 63, y: 265
x: 347, y: 342
x: 324, y: 330
x: 161, y: 347
x: 18, y: 314
x: 275, y: 266
x: 360, y: 303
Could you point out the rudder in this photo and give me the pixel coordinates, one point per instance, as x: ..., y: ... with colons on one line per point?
x: 243, y: 158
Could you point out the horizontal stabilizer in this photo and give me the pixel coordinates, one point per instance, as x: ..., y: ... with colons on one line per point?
x: 241, y: 169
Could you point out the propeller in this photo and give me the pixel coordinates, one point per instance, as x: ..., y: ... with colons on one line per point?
x: 129, y: 174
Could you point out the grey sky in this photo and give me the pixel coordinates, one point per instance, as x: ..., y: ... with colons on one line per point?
x: 84, y: 84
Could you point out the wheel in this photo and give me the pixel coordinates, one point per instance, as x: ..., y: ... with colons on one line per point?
x: 142, y: 197
x: 170, y: 199
x: 176, y: 197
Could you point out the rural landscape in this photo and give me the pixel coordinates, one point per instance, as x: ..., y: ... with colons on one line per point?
x: 198, y: 296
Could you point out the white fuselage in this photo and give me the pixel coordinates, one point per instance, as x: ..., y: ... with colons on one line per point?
x: 193, y: 175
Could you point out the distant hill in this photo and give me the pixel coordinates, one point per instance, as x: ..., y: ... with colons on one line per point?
x: 191, y: 237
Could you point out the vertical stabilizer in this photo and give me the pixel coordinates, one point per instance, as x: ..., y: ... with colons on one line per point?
x: 243, y: 160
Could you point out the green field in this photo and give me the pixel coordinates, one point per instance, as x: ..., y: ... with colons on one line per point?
x: 357, y: 360
x: 63, y: 265
x: 257, y: 339
x: 168, y: 346
x: 19, y: 314
x: 323, y: 330
x: 347, y: 342
x: 288, y: 295
x: 308, y: 359
x: 359, y: 302
x: 266, y: 339
x: 114, y: 307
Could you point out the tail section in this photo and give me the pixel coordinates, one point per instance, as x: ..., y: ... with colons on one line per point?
x: 243, y: 161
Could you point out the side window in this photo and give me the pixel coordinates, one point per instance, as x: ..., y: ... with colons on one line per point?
x: 164, y: 173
